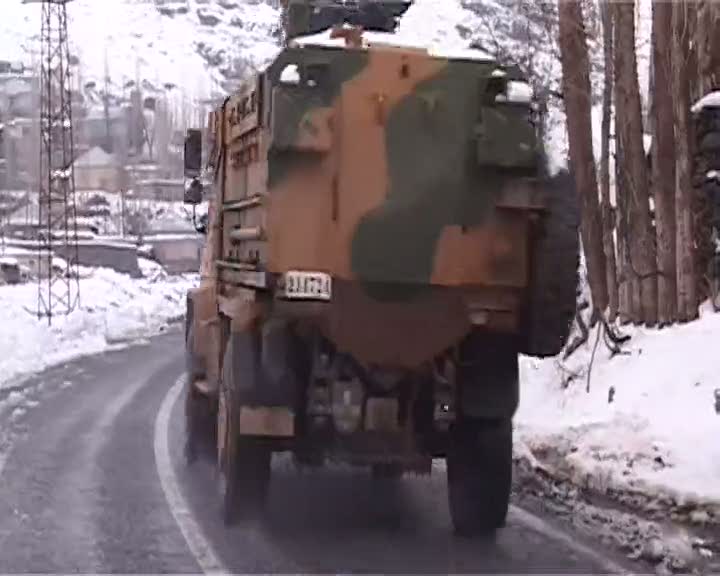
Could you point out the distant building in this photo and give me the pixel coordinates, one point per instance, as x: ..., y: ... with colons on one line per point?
x: 98, y: 170
x: 17, y: 95
x: 108, y: 130
x: 8, y: 68
x: 19, y: 152
x: 18, y: 107
x: 139, y: 173
x: 170, y: 190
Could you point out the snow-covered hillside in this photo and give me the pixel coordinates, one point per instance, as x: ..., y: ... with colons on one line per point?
x: 204, y: 47
x: 198, y: 45
x: 115, y: 309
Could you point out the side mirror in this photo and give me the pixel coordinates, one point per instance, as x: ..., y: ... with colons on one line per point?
x: 193, y: 154
x: 193, y: 193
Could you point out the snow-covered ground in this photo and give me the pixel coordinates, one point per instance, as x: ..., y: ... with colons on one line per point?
x: 156, y: 215
x: 115, y: 309
x: 647, y: 425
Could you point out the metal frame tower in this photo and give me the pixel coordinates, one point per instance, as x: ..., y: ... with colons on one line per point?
x: 58, y: 278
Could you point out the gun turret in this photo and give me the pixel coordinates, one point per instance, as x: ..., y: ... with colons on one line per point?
x: 301, y: 17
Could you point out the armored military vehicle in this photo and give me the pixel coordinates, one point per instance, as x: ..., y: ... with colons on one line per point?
x: 382, y: 243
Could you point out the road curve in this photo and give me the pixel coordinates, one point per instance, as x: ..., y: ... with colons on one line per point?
x: 94, y: 481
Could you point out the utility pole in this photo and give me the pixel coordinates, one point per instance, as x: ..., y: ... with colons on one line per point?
x: 106, y: 107
x: 122, y: 212
x: 59, y: 290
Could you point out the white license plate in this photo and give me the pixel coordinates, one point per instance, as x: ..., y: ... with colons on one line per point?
x: 307, y: 285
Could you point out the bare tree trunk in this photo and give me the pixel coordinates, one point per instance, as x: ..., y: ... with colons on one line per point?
x: 714, y: 44
x: 626, y: 278
x: 605, y: 205
x: 704, y: 33
x: 629, y: 280
x: 687, y: 294
x: 630, y: 131
x: 577, y: 93
x: 663, y: 162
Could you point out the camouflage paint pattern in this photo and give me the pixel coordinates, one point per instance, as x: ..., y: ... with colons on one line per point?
x: 396, y: 172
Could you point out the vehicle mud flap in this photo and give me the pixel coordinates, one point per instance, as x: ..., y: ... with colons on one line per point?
x: 195, y: 367
x: 487, y: 376
x: 265, y: 365
x: 243, y: 462
x: 189, y: 314
x: 479, y: 473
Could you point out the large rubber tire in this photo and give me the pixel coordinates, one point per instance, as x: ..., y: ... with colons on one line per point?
x: 555, y: 259
x: 244, y: 462
x: 194, y: 364
x: 245, y: 480
x: 196, y: 406
x: 479, y: 475
x: 200, y: 429
x: 488, y: 376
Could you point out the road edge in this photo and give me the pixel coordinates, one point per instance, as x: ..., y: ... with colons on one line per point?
x: 199, y: 546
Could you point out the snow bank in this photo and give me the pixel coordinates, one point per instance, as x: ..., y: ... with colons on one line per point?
x: 115, y: 308
x: 660, y: 434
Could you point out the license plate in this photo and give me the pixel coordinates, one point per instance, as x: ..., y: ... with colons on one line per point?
x: 307, y: 286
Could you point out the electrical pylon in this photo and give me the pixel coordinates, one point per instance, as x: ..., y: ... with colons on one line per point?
x: 58, y: 278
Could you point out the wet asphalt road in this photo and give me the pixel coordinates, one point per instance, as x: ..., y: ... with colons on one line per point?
x: 80, y: 491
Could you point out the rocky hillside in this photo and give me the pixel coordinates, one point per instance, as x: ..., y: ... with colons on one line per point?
x: 200, y: 46
x: 231, y: 36
x: 205, y: 46
x: 198, y: 49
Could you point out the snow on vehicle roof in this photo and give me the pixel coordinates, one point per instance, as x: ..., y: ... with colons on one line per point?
x: 710, y: 100
x: 461, y: 54
x: 517, y: 92
x: 371, y: 39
